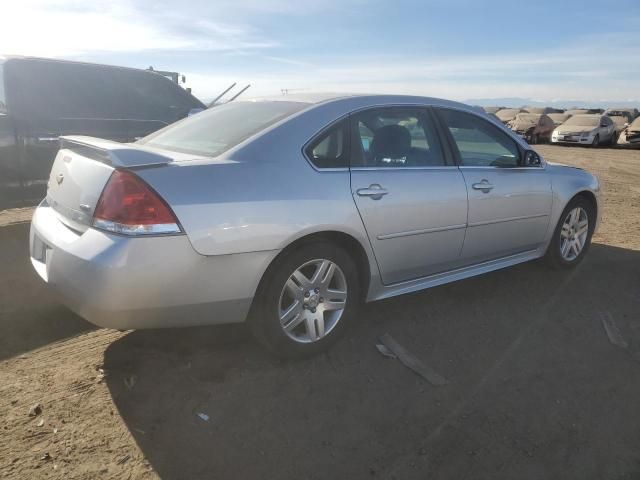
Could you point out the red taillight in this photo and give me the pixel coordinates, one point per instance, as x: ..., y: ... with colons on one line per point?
x: 128, y: 205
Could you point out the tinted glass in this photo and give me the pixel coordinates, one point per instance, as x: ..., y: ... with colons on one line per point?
x: 3, y: 99
x: 218, y: 129
x: 68, y: 90
x: 330, y: 149
x: 395, y: 137
x: 479, y: 142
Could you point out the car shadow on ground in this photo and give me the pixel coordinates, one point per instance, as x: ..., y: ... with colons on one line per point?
x: 536, y: 390
x: 30, y: 316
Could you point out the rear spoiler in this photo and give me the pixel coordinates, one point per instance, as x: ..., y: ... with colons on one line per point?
x: 119, y: 155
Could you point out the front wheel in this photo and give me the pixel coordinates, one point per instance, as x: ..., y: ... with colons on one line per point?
x: 572, y: 236
x: 306, y: 300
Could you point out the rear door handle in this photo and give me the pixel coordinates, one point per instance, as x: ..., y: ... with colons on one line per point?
x: 375, y: 191
x: 484, y: 186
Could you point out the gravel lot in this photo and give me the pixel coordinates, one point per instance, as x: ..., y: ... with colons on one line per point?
x: 536, y: 389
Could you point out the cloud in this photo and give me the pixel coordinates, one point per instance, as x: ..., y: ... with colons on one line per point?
x: 67, y: 28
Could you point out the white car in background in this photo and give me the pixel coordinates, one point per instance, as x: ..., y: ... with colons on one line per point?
x: 586, y: 129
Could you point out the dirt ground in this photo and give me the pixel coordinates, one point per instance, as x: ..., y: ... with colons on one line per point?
x: 536, y: 389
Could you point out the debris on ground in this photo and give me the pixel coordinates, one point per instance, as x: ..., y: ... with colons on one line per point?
x: 203, y: 416
x: 101, y: 374
x: 412, y: 362
x: 385, y: 351
x: 41, y: 422
x: 46, y: 456
x: 612, y: 330
x: 35, y: 410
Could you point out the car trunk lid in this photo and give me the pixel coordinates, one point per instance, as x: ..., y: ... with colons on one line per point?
x: 82, y: 168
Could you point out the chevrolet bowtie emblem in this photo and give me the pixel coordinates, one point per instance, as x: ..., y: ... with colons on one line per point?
x: 60, y: 178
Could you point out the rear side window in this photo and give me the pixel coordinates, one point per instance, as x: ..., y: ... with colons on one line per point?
x: 395, y: 137
x: 220, y: 128
x: 330, y: 149
x: 479, y: 143
x: 60, y: 90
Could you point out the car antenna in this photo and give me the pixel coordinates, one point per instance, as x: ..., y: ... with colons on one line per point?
x: 239, y: 93
x: 213, y: 102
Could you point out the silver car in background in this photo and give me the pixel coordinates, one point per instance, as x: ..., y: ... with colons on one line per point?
x: 289, y: 213
x: 591, y: 130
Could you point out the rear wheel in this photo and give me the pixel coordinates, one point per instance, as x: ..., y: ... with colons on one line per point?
x: 572, y: 236
x: 306, y: 300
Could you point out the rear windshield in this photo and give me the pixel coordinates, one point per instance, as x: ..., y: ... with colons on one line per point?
x: 584, y: 120
x: 3, y: 99
x: 559, y: 117
x: 63, y: 90
x: 220, y: 128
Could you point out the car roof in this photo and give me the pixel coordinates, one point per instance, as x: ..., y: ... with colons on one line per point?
x: 7, y: 58
x: 366, y: 99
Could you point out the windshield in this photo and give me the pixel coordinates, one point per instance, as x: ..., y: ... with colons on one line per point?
x: 218, y: 129
x: 528, y: 117
x: 3, y: 99
x: 584, y: 120
x: 508, y: 113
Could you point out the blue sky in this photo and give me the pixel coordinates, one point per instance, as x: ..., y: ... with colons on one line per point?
x: 580, y: 50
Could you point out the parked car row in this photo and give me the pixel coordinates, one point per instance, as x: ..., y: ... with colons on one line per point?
x: 580, y: 126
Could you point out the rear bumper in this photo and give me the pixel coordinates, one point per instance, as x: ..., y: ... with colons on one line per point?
x: 133, y: 283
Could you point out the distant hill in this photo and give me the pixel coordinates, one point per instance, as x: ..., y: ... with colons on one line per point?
x: 520, y: 102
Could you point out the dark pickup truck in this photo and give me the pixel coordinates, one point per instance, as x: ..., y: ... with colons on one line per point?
x: 42, y: 99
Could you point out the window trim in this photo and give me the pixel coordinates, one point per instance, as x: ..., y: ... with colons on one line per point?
x: 426, y: 110
x: 456, y: 153
x: 317, y: 136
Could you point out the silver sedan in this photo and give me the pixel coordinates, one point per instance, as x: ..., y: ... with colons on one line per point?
x: 288, y: 213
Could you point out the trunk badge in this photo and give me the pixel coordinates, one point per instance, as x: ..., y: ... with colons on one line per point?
x: 60, y: 178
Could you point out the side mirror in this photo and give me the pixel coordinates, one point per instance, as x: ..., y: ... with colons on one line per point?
x: 532, y: 159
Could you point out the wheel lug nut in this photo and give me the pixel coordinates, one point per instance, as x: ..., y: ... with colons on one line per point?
x: 313, y: 310
x: 306, y: 294
x: 321, y: 299
x: 317, y: 291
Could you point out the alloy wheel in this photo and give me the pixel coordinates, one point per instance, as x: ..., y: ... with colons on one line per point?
x: 312, y: 300
x: 573, y: 234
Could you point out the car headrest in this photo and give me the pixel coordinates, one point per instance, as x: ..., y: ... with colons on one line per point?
x: 391, y: 141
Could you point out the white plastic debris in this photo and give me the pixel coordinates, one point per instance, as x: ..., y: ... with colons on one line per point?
x: 203, y: 416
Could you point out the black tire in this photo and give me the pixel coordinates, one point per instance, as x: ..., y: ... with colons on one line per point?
x: 596, y: 141
x: 264, y: 318
x: 554, y: 256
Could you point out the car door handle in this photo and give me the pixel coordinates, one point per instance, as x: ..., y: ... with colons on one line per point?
x: 375, y: 191
x: 484, y: 185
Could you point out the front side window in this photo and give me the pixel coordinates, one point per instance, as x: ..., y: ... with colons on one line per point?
x: 479, y: 143
x: 395, y: 137
x: 330, y: 149
x: 220, y: 128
